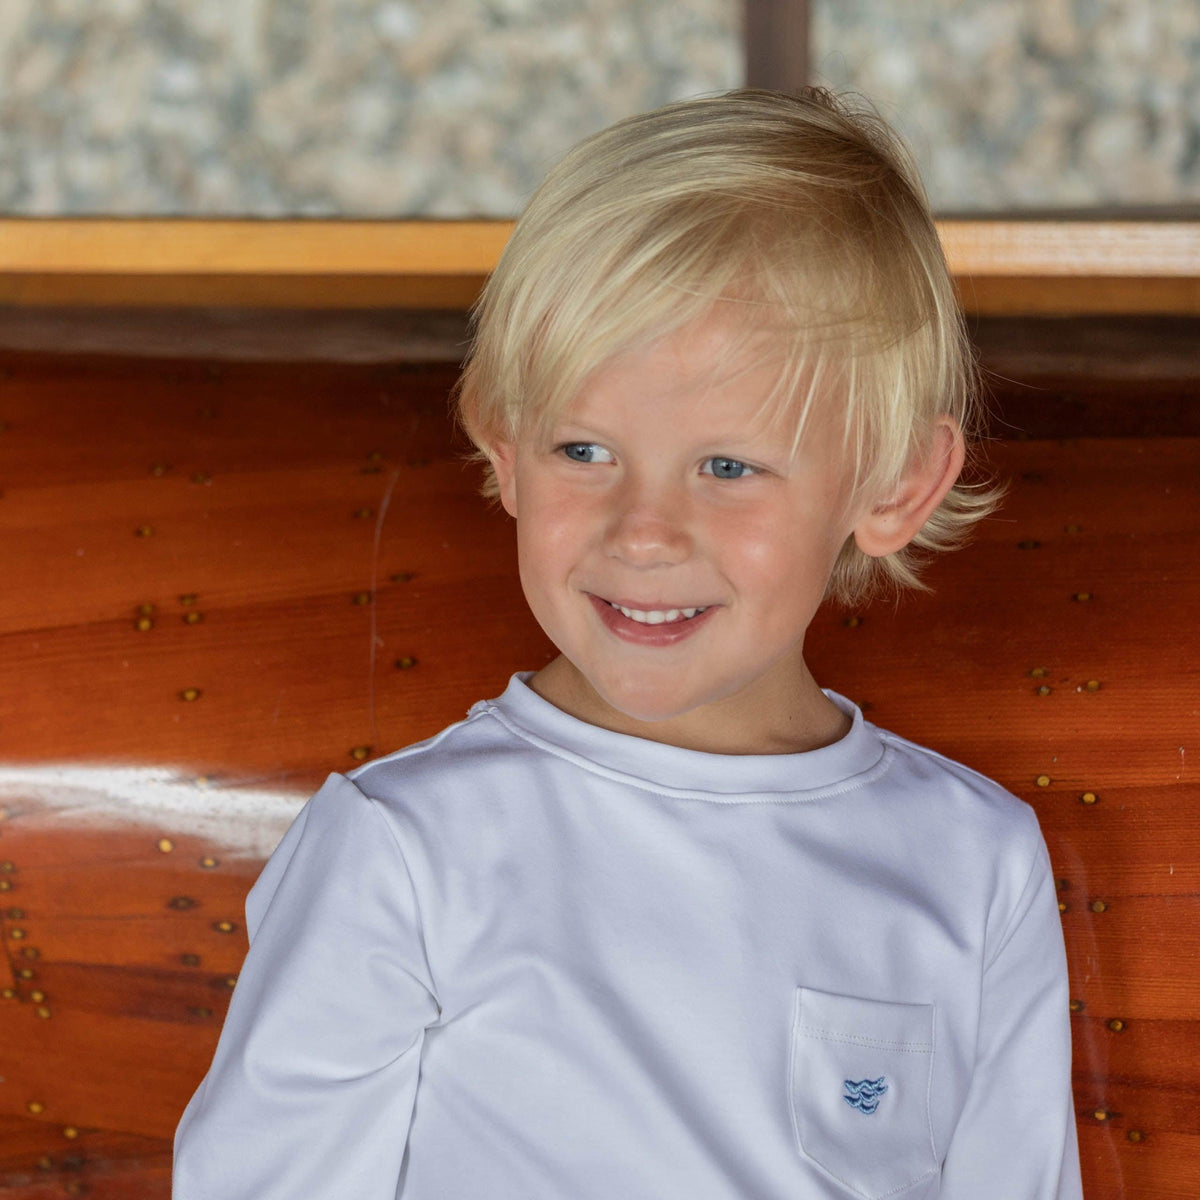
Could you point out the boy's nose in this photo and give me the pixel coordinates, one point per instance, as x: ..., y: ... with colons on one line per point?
x: 649, y: 531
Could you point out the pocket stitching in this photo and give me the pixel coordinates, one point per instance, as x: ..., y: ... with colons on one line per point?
x: 825, y: 1035
x: 913, y: 1047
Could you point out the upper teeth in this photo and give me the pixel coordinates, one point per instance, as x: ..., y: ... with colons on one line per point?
x: 658, y: 616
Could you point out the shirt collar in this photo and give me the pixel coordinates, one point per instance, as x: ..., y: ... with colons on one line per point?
x: 674, y: 769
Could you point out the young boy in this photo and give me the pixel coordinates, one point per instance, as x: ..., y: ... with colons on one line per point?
x: 666, y: 920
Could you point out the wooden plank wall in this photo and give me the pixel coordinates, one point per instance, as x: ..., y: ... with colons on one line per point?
x: 1002, y: 266
x: 222, y: 581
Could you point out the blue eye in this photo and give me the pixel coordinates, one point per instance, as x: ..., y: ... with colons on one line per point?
x: 728, y: 468
x: 585, y: 452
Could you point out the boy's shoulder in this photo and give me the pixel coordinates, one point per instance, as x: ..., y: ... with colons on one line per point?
x: 955, y: 795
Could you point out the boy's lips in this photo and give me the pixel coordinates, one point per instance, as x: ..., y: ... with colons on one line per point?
x: 664, y: 632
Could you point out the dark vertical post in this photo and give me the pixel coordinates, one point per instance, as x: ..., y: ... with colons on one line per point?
x: 776, y: 44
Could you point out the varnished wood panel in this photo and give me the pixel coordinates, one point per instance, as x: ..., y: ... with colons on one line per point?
x: 1000, y: 266
x: 321, y: 572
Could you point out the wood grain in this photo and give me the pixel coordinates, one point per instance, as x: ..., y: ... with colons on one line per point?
x: 320, y: 522
x: 1000, y: 266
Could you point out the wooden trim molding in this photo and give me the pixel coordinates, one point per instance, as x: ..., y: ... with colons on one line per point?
x: 1000, y: 266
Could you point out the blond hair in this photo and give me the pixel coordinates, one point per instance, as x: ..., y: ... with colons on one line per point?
x: 804, y: 215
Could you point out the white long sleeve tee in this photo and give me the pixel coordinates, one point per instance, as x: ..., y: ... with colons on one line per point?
x: 533, y: 959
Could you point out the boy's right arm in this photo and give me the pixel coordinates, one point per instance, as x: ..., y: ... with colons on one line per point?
x: 312, y: 1086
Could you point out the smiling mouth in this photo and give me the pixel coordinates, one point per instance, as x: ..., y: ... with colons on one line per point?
x: 657, y: 616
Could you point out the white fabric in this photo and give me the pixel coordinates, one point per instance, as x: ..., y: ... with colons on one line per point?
x: 532, y: 959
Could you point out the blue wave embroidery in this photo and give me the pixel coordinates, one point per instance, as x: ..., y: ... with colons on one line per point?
x: 864, y: 1095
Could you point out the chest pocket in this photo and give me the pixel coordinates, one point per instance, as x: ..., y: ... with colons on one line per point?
x: 860, y: 1076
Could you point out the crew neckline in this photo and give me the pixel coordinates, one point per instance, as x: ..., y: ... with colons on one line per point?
x: 675, y: 769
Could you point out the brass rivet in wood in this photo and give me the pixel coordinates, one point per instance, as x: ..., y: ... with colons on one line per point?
x: 406, y: 662
x: 17, y: 935
x: 1044, y: 690
x: 852, y: 622
x: 403, y: 576
x: 43, y: 1012
x: 1038, y: 672
x: 362, y: 598
x: 44, y: 1163
x: 1077, y: 1006
x: 208, y: 862
x: 5, y: 885
x: 193, y: 618
x: 143, y: 624
x: 70, y: 1132
x: 1043, y: 781
x: 1029, y: 544
x: 224, y: 926
x: 166, y: 845
x: 187, y: 598
x: 361, y: 514
x: 25, y: 973
x: 1116, y: 1025
x: 200, y: 1011
x: 201, y: 477
x: 182, y: 903
x: 190, y: 694
x: 144, y: 531
x: 1088, y: 798
x: 1092, y: 685
x: 1099, y: 906
x: 360, y: 752
x: 145, y: 610
x: 35, y: 1107
x: 8, y: 993
x: 231, y: 981
x: 1101, y: 1114
x: 37, y: 997
x: 31, y: 952
x: 7, y: 867
x: 158, y: 469
x: 1082, y: 596
x: 190, y: 960
x: 1062, y: 906
x: 1135, y: 1135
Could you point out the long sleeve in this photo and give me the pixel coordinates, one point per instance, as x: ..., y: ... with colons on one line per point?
x: 1015, y: 1139
x: 312, y: 1086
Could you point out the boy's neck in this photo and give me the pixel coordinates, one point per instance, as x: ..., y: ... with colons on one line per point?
x: 798, y: 717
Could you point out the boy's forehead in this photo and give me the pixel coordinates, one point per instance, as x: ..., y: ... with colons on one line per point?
x: 726, y: 371
x: 710, y: 357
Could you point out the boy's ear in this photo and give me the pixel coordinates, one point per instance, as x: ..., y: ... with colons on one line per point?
x: 892, y: 523
x: 503, y: 456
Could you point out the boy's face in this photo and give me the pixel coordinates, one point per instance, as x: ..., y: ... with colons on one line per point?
x: 658, y: 491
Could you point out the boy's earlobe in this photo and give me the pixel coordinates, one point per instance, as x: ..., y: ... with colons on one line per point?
x: 893, y: 523
x: 503, y: 457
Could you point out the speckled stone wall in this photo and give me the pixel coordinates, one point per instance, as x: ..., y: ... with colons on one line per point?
x: 1029, y: 103
x: 383, y: 108
x: 368, y: 108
